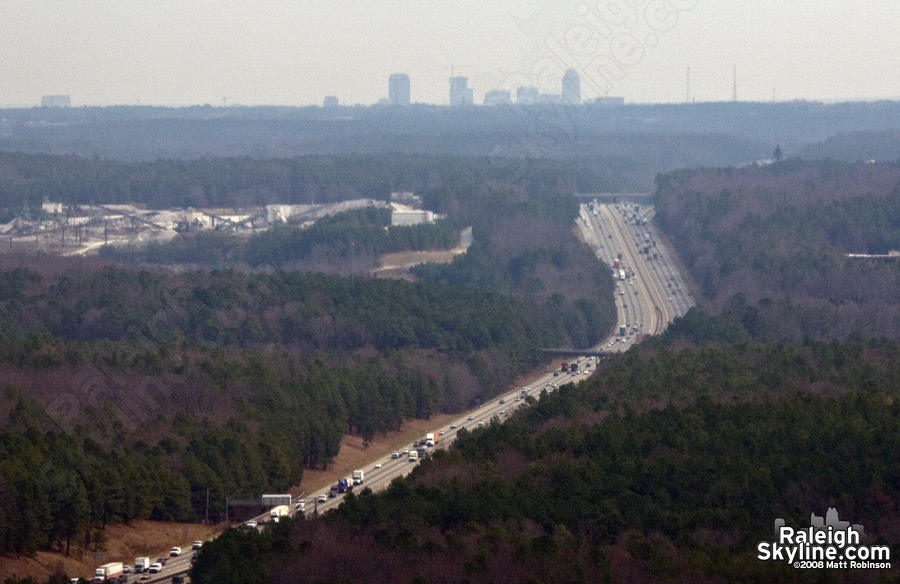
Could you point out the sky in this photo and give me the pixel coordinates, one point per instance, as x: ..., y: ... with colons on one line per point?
x: 295, y: 52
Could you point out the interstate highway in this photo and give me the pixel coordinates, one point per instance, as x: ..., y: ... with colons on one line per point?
x: 661, y: 295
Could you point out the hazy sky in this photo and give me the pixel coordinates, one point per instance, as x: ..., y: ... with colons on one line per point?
x: 292, y: 52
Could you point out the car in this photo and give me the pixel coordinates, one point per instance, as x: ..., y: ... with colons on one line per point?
x: 502, y: 412
x: 321, y: 498
x: 471, y: 418
x: 177, y: 579
x: 301, y: 505
x: 441, y: 433
x: 155, y: 568
x: 556, y: 374
x: 199, y: 544
x: 175, y: 551
x: 251, y: 524
x: 379, y: 465
x: 395, y: 454
x: 453, y: 426
x: 332, y: 493
x: 126, y: 569
x: 481, y: 424
x: 502, y: 401
x: 404, y: 452
x: 163, y: 559
x: 145, y: 576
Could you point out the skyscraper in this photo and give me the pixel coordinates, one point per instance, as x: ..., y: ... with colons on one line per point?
x: 460, y: 92
x: 571, y: 88
x: 398, y: 89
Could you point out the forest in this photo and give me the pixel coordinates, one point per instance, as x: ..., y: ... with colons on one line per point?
x: 136, y: 391
x: 772, y: 241
x: 235, y: 379
x: 669, y: 466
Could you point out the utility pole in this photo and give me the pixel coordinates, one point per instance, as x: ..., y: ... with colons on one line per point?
x: 688, y: 85
x: 734, y: 89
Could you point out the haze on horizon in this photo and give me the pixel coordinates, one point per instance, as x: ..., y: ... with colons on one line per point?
x: 285, y: 52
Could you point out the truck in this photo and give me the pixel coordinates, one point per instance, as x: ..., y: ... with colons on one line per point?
x: 413, y: 456
x: 358, y: 477
x: 573, y: 367
x: 431, y: 439
x: 421, y: 453
x: 617, y: 263
x: 141, y: 565
x: 621, y: 274
x: 279, y: 511
x: 565, y: 367
x: 622, y: 330
x: 108, y: 572
x: 345, y: 485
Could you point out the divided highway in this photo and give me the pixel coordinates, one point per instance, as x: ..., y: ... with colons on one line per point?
x: 649, y: 297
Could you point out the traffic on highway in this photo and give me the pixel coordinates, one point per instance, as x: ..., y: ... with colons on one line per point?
x: 650, y: 293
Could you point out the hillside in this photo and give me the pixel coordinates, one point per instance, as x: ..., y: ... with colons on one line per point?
x: 664, y: 467
x: 772, y: 242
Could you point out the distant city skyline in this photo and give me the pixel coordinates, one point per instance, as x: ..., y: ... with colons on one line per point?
x: 281, y: 52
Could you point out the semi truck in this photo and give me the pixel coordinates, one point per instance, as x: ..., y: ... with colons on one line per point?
x: 141, y: 565
x: 431, y: 439
x: 344, y: 485
x: 565, y: 367
x: 358, y: 477
x: 108, y: 572
x: 280, y: 511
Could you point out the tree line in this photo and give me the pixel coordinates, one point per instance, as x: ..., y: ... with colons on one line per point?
x: 776, y: 238
x: 588, y: 485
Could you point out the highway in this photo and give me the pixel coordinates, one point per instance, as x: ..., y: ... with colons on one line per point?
x: 647, y: 300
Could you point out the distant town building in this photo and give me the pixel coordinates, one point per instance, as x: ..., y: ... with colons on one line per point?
x: 527, y: 95
x: 497, y: 97
x: 417, y: 217
x: 398, y: 89
x: 571, y: 88
x: 460, y: 92
x: 51, y: 208
x: 330, y: 101
x: 56, y: 101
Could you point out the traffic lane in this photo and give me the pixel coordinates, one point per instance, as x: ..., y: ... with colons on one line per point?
x: 392, y: 468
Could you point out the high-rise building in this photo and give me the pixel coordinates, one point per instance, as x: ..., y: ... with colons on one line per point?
x: 56, y: 101
x: 527, y: 95
x: 497, y: 97
x: 330, y: 101
x: 571, y: 88
x: 398, y: 89
x: 460, y: 92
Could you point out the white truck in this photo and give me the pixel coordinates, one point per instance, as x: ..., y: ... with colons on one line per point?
x: 141, y: 565
x: 430, y: 440
x: 413, y: 455
x: 279, y: 511
x: 358, y: 477
x: 108, y: 572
